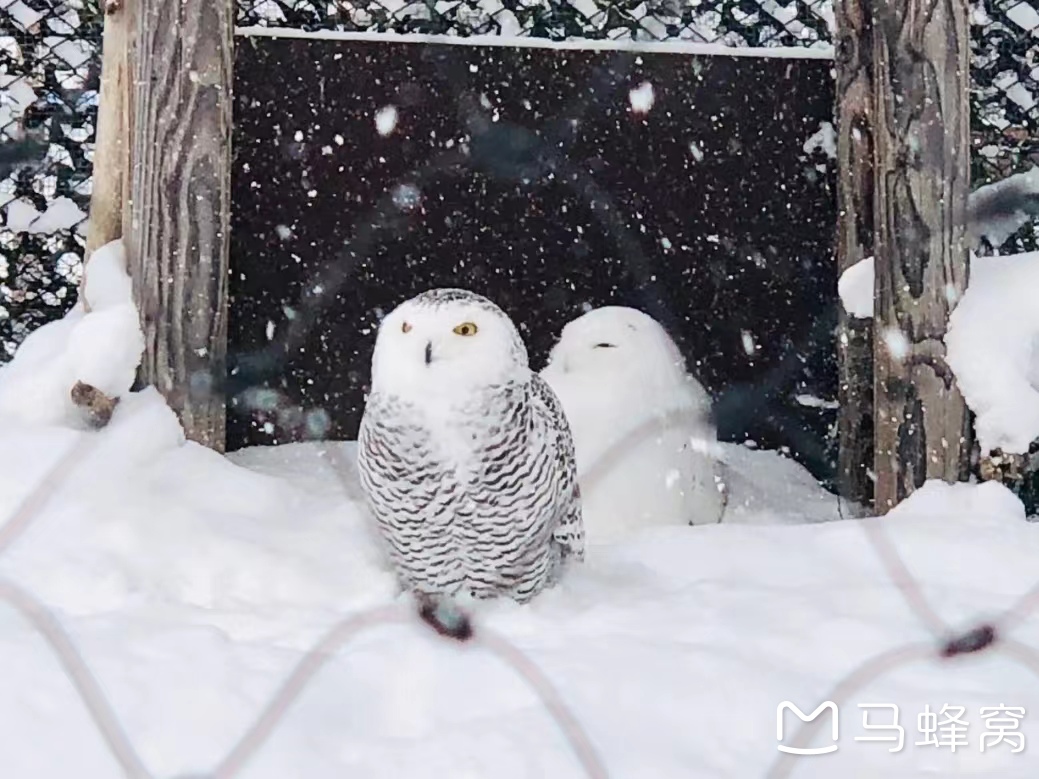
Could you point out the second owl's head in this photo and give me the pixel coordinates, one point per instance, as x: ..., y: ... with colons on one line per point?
x: 449, y: 340
x: 614, y: 341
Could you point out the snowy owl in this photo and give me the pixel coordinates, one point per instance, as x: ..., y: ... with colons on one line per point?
x: 641, y: 425
x: 465, y: 455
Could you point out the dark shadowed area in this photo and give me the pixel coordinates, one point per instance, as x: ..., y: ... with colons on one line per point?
x: 713, y: 185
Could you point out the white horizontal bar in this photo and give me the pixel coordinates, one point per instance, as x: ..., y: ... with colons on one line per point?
x: 648, y: 47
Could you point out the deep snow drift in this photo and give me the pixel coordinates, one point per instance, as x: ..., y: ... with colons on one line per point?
x: 193, y: 584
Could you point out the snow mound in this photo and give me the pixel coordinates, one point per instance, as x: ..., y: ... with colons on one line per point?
x: 993, y: 348
x: 171, y: 522
x: 992, y: 344
x: 102, y: 348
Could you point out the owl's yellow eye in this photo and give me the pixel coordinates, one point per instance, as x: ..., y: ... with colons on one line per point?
x: 405, y: 328
x: 466, y: 328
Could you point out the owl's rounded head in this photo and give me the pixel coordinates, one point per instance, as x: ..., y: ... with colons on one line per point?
x: 447, y: 340
x: 614, y: 341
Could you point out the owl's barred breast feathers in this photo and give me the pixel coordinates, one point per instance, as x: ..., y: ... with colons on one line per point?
x: 465, y: 455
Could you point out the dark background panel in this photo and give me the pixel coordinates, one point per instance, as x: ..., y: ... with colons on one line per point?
x: 713, y: 186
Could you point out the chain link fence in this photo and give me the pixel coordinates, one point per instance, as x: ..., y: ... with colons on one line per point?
x: 1004, y: 93
x: 49, y: 70
x: 723, y: 22
x: 51, y: 62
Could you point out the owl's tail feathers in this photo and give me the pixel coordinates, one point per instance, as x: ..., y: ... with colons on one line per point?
x: 569, y: 534
x: 997, y: 211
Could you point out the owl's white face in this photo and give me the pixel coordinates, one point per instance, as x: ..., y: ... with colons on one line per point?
x: 446, y: 346
x: 616, y: 340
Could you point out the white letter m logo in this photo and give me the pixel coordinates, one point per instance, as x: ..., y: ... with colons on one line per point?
x: 801, y: 715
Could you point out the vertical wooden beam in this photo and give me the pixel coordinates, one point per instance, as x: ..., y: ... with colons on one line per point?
x: 111, y: 162
x: 180, y: 203
x: 922, y: 175
x: 854, y: 64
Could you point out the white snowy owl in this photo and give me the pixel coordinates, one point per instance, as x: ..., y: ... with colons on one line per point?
x: 640, y: 422
x: 465, y: 455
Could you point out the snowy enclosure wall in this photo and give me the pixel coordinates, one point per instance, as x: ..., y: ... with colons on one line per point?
x: 715, y: 168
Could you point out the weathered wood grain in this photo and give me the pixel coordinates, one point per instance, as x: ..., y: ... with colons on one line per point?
x: 112, y: 142
x: 921, y: 158
x: 854, y: 66
x: 180, y: 203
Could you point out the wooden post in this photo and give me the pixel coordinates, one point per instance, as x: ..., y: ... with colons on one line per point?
x: 854, y: 63
x: 179, y: 227
x: 922, y: 173
x: 111, y: 163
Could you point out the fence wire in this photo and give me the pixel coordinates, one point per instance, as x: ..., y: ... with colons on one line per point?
x: 724, y: 22
x: 1005, y: 97
x: 48, y: 74
x: 50, y: 63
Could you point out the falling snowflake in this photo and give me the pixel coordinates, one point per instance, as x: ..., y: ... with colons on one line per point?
x: 749, y: 346
x: 386, y: 120
x: 642, y: 98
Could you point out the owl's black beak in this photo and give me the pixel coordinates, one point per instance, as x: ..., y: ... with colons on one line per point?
x: 429, y: 352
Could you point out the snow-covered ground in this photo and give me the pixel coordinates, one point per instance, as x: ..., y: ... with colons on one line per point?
x: 193, y: 585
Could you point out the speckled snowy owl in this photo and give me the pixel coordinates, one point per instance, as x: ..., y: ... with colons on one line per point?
x: 465, y: 455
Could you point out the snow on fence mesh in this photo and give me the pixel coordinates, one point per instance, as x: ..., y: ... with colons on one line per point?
x: 50, y: 66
